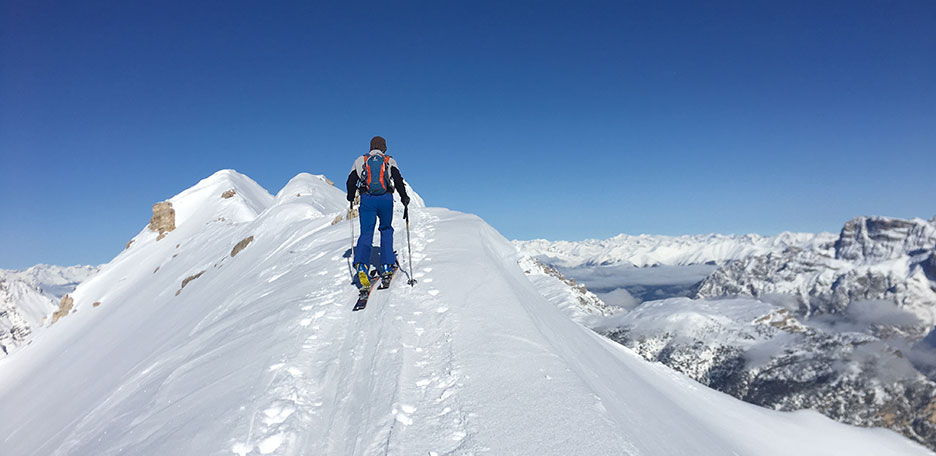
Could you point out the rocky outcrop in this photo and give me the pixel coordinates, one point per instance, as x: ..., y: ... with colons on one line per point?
x: 64, y: 308
x: 241, y: 246
x: 163, y: 220
x: 188, y: 279
x: 877, y: 239
x: 228, y: 193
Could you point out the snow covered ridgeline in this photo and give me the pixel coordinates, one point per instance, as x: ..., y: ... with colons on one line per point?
x: 260, y: 354
x: 29, y: 297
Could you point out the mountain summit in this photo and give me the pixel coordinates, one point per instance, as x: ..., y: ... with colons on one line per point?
x: 232, y: 333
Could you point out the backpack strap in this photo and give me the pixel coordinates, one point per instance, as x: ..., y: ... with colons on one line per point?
x: 384, y: 170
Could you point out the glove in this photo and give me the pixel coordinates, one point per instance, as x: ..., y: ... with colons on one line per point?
x: 405, y: 200
x: 351, y: 198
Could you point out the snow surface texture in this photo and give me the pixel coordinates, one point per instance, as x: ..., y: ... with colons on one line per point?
x: 261, y: 354
x: 28, y: 297
x: 649, y: 250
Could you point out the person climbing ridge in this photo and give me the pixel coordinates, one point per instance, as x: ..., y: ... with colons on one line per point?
x: 376, y: 176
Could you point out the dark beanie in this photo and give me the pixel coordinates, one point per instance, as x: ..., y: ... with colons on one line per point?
x: 378, y: 142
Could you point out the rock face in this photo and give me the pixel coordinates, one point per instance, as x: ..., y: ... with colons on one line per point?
x: 241, y: 245
x: 874, y: 258
x: 876, y: 239
x: 163, y: 220
x: 761, y: 353
x: 64, y: 308
x: 187, y: 280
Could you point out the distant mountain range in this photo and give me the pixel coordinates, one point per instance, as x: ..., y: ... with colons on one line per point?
x: 29, y: 297
x: 841, y: 323
x: 652, y: 250
x: 873, y: 258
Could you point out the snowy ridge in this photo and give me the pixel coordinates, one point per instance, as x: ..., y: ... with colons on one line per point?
x: 649, y: 250
x: 28, y: 297
x: 572, y: 298
x: 259, y: 353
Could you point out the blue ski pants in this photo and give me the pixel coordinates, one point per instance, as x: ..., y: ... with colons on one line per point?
x: 372, y: 208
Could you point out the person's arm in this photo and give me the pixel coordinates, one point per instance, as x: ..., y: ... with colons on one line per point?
x: 352, y: 185
x: 399, y: 185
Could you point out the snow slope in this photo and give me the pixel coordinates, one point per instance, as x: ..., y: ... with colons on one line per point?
x: 260, y: 354
x: 650, y: 250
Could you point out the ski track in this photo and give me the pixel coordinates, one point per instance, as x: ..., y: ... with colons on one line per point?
x: 263, y: 354
x: 305, y: 403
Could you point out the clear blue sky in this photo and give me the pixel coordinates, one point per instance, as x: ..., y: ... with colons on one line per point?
x: 565, y: 121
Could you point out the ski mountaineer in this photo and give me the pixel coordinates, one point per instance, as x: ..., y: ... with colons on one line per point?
x: 375, y: 175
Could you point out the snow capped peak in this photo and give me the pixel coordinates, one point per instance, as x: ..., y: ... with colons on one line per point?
x: 226, y: 193
x: 315, y: 190
x: 649, y: 250
x: 874, y: 239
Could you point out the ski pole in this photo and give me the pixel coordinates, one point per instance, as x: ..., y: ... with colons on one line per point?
x: 409, y: 248
x: 351, y: 221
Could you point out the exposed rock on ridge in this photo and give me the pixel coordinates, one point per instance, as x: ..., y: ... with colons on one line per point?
x: 163, y: 220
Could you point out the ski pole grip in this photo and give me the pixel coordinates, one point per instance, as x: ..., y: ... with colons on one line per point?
x: 406, y: 213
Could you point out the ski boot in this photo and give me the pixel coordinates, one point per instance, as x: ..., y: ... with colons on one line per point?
x: 387, y: 275
x: 362, y: 275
